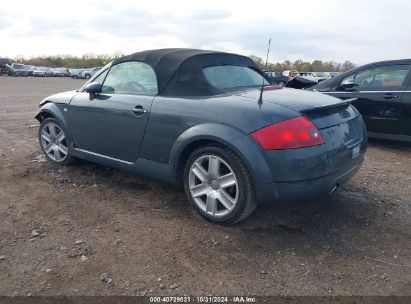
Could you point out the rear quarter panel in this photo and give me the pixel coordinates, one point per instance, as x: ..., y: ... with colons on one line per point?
x: 171, y: 117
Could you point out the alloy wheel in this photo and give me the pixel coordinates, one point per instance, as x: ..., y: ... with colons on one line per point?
x: 213, y: 185
x: 53, y: 142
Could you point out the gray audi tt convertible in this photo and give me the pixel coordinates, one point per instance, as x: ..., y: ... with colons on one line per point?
x: 209, y: 121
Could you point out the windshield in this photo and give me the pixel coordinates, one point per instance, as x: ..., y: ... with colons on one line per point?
x: 230, y: 76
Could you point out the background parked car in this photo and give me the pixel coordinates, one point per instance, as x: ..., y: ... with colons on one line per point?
x: 66, y: 72
x: 301, y: 83
x: 76, y: 73
x: 313, y: 76
x: 277, y: 78
x: 332, y: 74
x: 290, y: 73
x: 87, y: 74
x: 40, y: 72
x: 17, y: 69
x: 56, y: 72
x: 382, y: 93
x: 3, y: 65
x: 322, y: 75
x: 30, y: 69
x: 60, y: 72
x: 49, y: 71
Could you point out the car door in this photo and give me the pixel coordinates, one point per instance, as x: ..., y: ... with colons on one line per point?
x: 112, y: 123
x: 379, y: 92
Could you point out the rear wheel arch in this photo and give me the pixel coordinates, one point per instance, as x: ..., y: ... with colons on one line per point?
x: 189, y: 149
x: 220, y: 135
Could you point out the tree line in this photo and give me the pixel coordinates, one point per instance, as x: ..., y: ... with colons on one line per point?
x: 93, y: 60
x: 68, y: 61
x: 304, y: 66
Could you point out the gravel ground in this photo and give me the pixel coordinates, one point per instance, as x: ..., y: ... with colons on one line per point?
x: 91, y: 230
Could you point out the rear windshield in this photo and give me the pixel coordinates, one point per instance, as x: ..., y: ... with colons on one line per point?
x: 230, y: 76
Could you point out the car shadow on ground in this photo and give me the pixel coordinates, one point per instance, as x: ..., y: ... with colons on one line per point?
x: 332, y: 223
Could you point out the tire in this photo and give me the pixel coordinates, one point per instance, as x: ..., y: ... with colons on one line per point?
x: 87, y: 76
x: 53, y: 145
x: 224, y: 204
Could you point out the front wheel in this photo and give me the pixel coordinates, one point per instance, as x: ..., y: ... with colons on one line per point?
x: 219, y: 186
x: 54, y: 142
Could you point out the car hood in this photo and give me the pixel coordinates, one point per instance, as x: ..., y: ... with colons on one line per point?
x: 64, y: 97
x: 297, y: 100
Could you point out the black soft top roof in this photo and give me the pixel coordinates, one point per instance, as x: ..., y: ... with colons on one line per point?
x: 179, y: 71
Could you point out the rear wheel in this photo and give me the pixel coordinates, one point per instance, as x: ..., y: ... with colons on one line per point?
x: 54, y: 142
x: 218, y: 185
x: 87, y: 76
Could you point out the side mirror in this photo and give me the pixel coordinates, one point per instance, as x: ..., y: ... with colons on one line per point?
x: 348, y: 85
x: 93, y: 88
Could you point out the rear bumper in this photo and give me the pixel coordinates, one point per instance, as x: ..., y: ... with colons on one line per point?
x: 305, y: 190
x: 313, y: 172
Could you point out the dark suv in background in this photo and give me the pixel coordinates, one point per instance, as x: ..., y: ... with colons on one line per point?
x: 277, y: 78
x: 382, y: 93
x: 4, y: 63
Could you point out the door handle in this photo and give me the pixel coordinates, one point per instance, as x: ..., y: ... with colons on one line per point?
x: 390, y: 96
x: 139, y: 110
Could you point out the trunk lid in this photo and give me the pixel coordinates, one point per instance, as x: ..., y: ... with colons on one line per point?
x: 298, y: 100
x: 339, y: 123
x: 323, y: 110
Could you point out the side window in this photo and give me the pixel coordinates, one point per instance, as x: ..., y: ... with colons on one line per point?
x: 131, y: 78
x: 231, y: 76
x: 384, y: 77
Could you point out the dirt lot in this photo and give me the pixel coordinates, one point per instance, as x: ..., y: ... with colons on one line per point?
x: 61, y: 228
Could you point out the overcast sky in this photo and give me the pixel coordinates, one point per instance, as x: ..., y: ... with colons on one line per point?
x: 360, y: 31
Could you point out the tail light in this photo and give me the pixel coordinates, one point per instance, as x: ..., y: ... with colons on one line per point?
x: 292, y: 133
